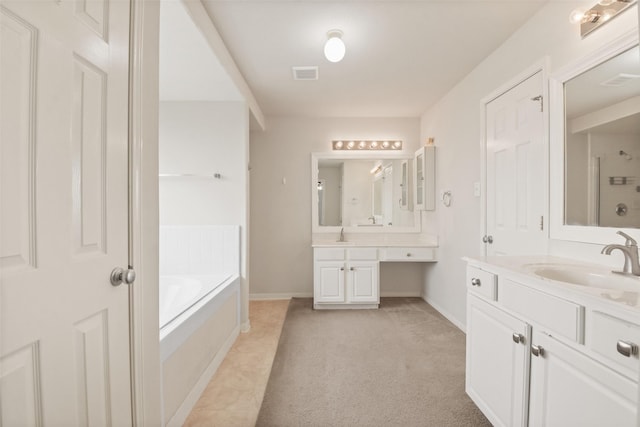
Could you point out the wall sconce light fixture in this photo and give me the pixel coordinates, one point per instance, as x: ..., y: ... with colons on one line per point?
x: 597, y: 15
x: 362, y: 145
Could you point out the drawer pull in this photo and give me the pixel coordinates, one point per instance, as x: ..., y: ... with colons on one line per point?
x: 518, y: 338
x: 537, y: 350
x: 475, y: 282
x: 408, y: 254
x: 341, y: 268
x: 627, y: 348
x: 352, y: 269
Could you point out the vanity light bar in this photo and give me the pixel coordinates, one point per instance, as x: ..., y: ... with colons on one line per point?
x: 364, y: 145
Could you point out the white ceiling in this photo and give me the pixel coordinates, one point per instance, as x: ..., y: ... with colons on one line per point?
x: 585, y: 93
x: 188, y: 69
x: 402, y: 55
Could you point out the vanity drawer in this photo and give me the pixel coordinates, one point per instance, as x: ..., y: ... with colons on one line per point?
x: 363, y: 254
x: 409, y: 254
x: 606, y: 332
x: 328, y: 254
x: 481, y: 282
x: 555, y: 314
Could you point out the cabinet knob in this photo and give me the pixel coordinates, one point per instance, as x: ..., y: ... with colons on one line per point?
x: 352, y: 269
x: 487, y: 239
x: 626, y: 348
x: 408, y: 254
x: 517, y: 338
x: 537, y: 350
x: 341, y: 268
x: 475, y: 282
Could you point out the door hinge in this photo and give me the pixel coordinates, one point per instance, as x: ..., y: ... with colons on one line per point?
x: 541, y: 99
x: 541, y: 223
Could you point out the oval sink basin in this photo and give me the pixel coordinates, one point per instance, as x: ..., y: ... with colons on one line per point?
x: 595, y: 278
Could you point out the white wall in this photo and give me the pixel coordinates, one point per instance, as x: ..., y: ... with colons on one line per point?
x: 281, y: 255
x: 201, y: 137
x: 455, y: 123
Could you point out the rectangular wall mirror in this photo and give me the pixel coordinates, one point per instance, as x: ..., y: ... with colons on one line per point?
x: 595, y: 144
x: 370, y: 193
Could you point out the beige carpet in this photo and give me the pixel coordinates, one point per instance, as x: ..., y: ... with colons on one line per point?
x: 401, y: 365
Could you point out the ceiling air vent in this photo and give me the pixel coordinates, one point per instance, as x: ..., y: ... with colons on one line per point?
x: 620, y: 79
x: 305, y: 73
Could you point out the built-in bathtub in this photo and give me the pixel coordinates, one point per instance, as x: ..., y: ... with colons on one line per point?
x: 199, y: 310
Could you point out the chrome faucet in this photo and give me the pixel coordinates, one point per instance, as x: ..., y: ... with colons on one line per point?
x: 341, y: 235
x: 630, y: 251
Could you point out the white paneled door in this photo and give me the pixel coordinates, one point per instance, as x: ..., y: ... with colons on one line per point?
x: 64, y: 332
x: 515, y: 171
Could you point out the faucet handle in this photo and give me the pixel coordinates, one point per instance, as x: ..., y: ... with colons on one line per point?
x: 630, y: 240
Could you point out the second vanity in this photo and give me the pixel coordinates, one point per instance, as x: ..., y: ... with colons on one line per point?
x: 552, y: 341
x: 346, y: 274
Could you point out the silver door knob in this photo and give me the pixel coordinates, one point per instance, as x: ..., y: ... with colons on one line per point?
x: 120, y: 275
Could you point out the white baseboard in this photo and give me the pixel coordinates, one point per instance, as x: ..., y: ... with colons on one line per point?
x: 396, y: 294
x: 190, y: 401
x: 268, y: 297
x: 446, y: 314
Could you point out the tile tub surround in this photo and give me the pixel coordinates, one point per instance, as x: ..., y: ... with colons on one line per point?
x: 234, y: 395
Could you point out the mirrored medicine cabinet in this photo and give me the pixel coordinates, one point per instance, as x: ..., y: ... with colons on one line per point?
x: 371, y: 192
x: 595, y: 144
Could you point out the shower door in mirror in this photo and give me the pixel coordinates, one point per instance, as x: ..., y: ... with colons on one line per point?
x: 515, y: 196
x: 64, y: 329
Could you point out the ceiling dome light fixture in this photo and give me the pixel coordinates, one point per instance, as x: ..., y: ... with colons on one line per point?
x: 334, y: 48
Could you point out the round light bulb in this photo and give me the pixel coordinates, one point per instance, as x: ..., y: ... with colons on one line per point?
x: 606, y: 2
x: 576, y: 16
x: 385, y: 144
x: 339, y: 144
x: 374, y: 144
x: 397, y: 144
x: 362, y: 145
x: 350, y: 145
x: 334, y: 48
x: 608, y: 14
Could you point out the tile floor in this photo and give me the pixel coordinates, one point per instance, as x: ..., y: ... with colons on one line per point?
x: 234, y: 394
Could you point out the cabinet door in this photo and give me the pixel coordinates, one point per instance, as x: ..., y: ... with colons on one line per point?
x: 363, y: 282
x: 419, y: 184
x: 497, y: 365
x: 568, y: 388
x: 404, y: 185
x: 328, y: 282
x: 424, y: 164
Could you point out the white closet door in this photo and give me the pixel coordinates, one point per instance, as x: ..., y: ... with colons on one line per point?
x: 64, y: 329
x: 515, y: 171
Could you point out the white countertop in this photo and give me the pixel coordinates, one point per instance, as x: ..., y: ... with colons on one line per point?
x: 372, y: 244
x: 525, y: 266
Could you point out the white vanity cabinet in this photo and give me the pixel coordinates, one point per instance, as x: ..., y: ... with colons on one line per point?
x: 569, y: 388
x: 540, y: 357
x: 497, y: 362
x: 346, y: 278
x: 424, y: 178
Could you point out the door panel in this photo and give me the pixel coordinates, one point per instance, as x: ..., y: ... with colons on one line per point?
x: 515, y: 176
x: 64, y: 330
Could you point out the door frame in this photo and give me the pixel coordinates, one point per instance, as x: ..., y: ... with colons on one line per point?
x: 542, y: 66
x: 146, y: 400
